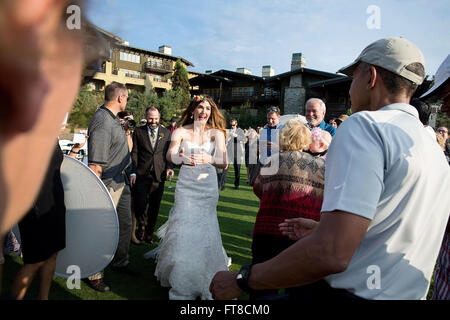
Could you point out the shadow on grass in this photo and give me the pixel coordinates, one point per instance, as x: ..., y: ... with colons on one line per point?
x: 236, y: 211
x: 239, y: 201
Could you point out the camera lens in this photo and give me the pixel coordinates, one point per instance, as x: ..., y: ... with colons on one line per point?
x: 131, y: 124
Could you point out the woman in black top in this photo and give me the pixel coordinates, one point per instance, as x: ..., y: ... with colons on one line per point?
x: 43, y: 233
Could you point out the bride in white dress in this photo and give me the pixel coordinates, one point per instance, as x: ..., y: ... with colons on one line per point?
x: 191, y: 252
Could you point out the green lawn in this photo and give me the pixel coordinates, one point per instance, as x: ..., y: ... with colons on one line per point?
x: 236, y: 211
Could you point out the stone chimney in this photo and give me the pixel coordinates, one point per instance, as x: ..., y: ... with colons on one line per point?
x: 243, y: 70
x: 165, y: 49
x: 298, y: 61
x: 267, y: 71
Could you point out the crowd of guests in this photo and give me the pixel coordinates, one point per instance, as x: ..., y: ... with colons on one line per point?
x: 293, y: 193
x: 378, y: 199
x: 384, y: 176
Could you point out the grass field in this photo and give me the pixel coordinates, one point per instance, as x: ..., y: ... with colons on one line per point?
x: 236, y: 212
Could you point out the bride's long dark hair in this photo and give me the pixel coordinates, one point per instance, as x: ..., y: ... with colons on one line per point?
x: 216, y: 119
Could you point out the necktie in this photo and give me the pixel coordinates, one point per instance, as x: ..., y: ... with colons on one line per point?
x: 152, y: 137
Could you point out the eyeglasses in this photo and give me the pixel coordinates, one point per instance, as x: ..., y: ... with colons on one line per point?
x: 233, y: 125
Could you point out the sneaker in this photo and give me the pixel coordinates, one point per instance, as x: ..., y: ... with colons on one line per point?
x: 98, y: 285
x: 128, y: 269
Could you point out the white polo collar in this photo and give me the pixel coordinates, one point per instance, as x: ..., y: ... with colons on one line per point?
x: 402, y: 107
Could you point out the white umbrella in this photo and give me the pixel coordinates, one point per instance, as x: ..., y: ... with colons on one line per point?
x: 92, y: 226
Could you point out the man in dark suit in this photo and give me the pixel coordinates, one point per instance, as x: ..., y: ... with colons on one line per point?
x: 150, y: 145
x: 235, y: 141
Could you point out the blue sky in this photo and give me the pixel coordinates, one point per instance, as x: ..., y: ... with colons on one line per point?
x: 229, y: 34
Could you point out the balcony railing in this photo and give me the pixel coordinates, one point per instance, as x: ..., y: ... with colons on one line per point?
x: 156, y: 67
x: 136, y: 76
x: 96, y: 68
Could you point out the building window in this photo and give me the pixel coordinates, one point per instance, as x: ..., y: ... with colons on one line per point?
x: 130, y: 57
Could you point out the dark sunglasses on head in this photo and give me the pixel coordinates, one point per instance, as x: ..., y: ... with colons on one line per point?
x: 275, y: 109
x: 96, y: 51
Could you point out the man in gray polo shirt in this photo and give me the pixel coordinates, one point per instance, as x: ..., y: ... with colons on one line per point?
x: 109, y: 156
x: 385, y: 202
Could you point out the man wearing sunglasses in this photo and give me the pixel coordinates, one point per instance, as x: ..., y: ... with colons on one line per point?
x: 269, y: 135
x: 443, y: 131
x: 109, y: 157
x: 235, y: 153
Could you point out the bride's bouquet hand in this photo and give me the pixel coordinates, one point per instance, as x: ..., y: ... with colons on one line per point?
x: 184, y: 159
x: 200, y: 158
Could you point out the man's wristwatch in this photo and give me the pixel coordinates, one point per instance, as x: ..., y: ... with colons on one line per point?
x: 242, y: 278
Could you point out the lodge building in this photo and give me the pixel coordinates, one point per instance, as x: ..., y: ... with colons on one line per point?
x: 134, y: 66
x: 289, y: 91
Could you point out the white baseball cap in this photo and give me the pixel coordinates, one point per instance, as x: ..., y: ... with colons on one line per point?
x: 392, y: 54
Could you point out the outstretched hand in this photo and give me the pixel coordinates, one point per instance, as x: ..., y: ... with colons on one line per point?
x: 297, y: 228
x: 80, y: 145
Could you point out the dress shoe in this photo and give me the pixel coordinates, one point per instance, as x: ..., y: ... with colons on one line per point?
x: 236, y: 187
x: 98, y: 285
x: 128, y: 269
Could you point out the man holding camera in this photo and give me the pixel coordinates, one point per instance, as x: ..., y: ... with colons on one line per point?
x: 150, y: 145
x: 109, y: 157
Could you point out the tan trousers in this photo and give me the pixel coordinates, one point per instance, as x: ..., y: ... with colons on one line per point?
x: 122, y: 201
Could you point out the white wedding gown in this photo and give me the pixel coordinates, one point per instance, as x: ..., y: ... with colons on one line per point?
x: 191, y: 252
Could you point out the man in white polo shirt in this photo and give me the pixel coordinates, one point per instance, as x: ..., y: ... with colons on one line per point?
x: 386, y: 198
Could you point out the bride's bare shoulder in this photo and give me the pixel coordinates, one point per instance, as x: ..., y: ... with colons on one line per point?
x: 181, y: 131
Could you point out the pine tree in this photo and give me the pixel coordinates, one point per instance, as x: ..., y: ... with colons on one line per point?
x: 85, y: 106
x: 180, y: 82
